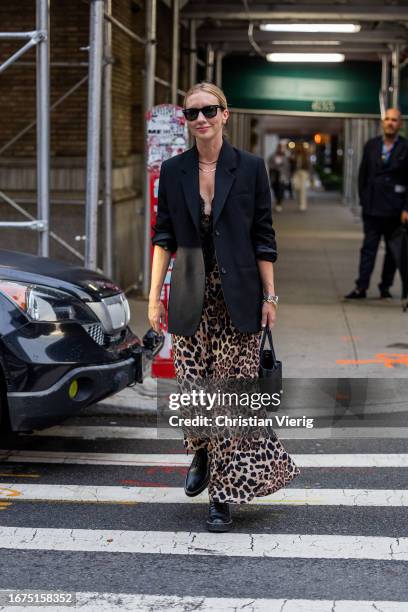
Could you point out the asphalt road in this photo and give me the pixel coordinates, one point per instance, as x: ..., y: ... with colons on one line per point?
x: 59, y: 532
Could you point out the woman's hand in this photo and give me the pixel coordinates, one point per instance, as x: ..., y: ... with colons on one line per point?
x: 156, y: 314
x: 268, y: 315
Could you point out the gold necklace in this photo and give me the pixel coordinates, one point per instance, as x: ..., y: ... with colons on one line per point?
x: 208, y: 163
x: 207, y: 171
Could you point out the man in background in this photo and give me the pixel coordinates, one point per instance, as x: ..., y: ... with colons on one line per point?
x: 383, y: 193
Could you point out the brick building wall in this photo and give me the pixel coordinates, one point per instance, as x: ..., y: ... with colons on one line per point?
x: 69, y: 34
x: 69, y: 31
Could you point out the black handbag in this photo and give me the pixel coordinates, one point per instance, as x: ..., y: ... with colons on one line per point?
x: 270, y: 369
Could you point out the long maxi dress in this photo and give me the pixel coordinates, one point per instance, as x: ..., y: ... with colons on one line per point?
x: 242, y: 467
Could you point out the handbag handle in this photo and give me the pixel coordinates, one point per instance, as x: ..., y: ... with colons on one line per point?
x: 268, y: 334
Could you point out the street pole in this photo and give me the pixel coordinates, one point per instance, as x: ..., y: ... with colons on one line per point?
x: 175, y: 51
x: 107, y: 143
x: 150, y: 64
x: 94, y: 131
x: 43, y: 125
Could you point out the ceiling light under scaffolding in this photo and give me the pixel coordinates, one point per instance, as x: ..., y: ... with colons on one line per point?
x: 311, y: 43
x: 305, y: 57
x: 337, y: 28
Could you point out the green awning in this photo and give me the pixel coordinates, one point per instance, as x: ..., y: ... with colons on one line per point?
x: 346, y: 88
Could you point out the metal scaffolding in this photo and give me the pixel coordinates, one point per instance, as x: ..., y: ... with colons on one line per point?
x: 94, y: 131
x: 107, y: 139
x: 39, y: 38
x: 99, y: 125
x: 175, y: 50
x: 150, y: 67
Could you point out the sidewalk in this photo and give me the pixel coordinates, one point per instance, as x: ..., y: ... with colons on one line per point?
x: 318, y: 334
x: 317, y: 330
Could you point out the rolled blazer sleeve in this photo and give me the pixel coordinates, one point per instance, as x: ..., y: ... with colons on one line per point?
x: 163, y: 232
x: 263, y: 234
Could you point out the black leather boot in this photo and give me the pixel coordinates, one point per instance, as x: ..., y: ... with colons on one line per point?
x: 219, y: 518
x: 356, y: 294
x: 198, y: 474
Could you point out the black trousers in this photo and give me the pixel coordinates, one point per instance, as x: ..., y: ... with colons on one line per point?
x: 278, y: 191
x: 374, y: 229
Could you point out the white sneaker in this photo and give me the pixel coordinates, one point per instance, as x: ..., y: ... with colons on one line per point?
x: 278, y: 208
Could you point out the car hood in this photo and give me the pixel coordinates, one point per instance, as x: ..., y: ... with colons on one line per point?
x: 85, y: 284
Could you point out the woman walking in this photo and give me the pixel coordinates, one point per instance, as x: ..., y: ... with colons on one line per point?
x: 214, y: 211
x: 279, y: 175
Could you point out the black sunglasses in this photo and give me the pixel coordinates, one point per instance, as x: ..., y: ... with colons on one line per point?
x: 209, y: 112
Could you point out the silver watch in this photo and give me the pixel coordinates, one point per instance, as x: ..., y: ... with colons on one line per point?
x: 271, y: 299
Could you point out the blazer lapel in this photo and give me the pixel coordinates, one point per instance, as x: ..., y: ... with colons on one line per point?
x: 224, y: 178
x: 378, y: 154
x: 395, y: 151
x: 191, y: 184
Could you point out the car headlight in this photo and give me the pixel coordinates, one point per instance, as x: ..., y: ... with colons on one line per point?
x: 41, y: 303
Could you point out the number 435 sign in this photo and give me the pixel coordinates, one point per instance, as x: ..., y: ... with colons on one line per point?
x: 323, y: 106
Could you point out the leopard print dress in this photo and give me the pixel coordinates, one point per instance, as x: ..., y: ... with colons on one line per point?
x: 241, y: 467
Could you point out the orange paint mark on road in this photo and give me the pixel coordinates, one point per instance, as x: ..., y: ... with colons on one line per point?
x: 342, y: 396
x: 388, y: 360
x: 11, y: 492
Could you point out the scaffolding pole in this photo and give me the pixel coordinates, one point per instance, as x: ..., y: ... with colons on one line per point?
x: 209, y: 69
x: 396, y: 52
x: 385, y: 78
x: 150, y: 66
x: 175, y: 51
x: 218, y: 67
x: 34, y: 40
x: 36, y: 224
x: 167, y: 84
x: 123, y: 28
x: 193, y: 53
x: 94, y: 125
x: 43, y: 126
x: 18, y: 35
x: 107, y: 140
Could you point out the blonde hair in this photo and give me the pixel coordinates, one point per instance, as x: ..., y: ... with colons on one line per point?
x: 209, y: 88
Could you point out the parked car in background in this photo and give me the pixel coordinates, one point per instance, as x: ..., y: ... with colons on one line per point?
x: 65, y: 341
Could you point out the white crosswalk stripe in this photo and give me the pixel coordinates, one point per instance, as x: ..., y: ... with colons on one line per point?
x: 105, y: 602
x: 331, y: 547
x: 190, y: 543
x: 90, y: 432
x: 176, y: 495
x: 112, y: 432
x: 326, y: 460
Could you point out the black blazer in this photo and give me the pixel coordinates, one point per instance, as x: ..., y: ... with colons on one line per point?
x: 243, y: 233
x: 383, y: 188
